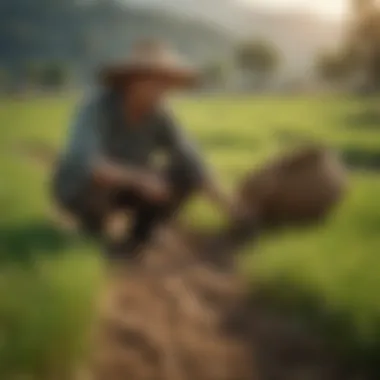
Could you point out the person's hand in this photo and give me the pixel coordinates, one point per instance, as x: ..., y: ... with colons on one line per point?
x: 148, y: 184
x: 232, y: 207
x: 152, y: 187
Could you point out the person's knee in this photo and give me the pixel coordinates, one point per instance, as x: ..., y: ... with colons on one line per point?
x: 185, y: 183
x: 92, y: 224
x: 90, y: 216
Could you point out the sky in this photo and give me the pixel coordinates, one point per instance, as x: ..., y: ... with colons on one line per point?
x: 333, y: 8
x: 330, y: 8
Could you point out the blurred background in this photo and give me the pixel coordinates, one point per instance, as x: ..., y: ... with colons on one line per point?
x: 276, y: 74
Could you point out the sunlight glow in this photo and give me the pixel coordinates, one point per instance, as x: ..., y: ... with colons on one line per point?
x: 334, y: 8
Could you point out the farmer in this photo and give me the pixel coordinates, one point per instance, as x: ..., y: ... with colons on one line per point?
x: 110, y: 164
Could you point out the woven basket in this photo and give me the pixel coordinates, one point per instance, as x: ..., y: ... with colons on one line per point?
x: 298, y: 188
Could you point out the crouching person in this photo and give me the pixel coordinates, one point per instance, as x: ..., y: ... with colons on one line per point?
x: 108, y: 163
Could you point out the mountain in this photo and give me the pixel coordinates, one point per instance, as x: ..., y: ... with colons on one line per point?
x: 87, y: 32
x: 299, y: 35
x: 224, y: 14
x: 91, y: 32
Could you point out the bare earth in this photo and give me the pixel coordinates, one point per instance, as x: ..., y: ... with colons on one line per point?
x: 182, y: 314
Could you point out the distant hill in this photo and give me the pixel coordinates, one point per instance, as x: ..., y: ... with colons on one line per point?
x: 91, y: 31
x: 96, y: 31
x: 298, y: 35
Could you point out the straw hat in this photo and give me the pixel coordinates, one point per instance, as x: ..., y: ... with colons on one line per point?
x: 152, y: 58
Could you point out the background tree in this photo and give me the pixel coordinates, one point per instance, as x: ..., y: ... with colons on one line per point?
x: 31, y: 73
x: 257, y: 60
x: 4, y: 79
x: 358, y: 60
x: 334, y: 67
x: 364, y: 41
x: 54, y: 75
x: 216, y: 74
x: 41, y: 75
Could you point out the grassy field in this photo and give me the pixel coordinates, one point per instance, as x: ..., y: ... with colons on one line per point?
x: 48, y: 280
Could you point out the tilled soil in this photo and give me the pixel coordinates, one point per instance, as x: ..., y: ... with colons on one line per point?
x: 176, y: 315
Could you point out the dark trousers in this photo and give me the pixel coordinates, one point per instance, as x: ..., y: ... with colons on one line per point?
x: 94, y: 206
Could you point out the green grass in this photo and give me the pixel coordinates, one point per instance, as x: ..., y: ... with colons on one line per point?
x: 48, y: 280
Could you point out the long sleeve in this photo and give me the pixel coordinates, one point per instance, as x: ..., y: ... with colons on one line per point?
x: 85, y: 140
x: 83, y: 146
x: 183, y: 154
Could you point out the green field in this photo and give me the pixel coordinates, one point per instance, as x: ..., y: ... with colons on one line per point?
x: 48, y: 280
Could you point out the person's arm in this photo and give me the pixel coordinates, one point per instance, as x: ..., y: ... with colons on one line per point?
x: 216, y: 194
x: 87, y: 150
x: 185, y: 154
x: 111, y: 174
x: 105, y: 171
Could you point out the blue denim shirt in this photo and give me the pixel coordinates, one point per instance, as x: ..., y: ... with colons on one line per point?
x: 99, y: 130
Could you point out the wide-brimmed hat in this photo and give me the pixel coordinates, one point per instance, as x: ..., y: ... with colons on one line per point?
x: 150, y: 58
